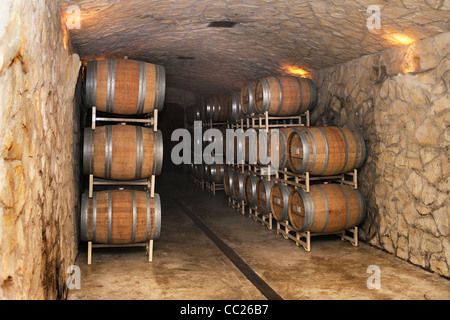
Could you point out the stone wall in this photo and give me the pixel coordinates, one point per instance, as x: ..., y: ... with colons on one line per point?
x: 399, y: 100
x: 38, y: 136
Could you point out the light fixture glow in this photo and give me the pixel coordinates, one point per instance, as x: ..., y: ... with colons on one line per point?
x: 295, y: 70
x: 399, y: 38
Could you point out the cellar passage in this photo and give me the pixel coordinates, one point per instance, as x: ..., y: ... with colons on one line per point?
x: 351, y: 85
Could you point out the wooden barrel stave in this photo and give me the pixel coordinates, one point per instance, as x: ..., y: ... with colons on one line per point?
x: 279, y: 201
x: 124, y: 86
x: 120, y: 217
x: 216, y: 172
x: 326, y: 208
x: 220, y: 108
x: 228, y: 181
x: 238, y: 186
x: 325, y: 150
x: 284, y: 95
x: 122, y: 152
x: 234, y: 108
x: 263, y: 195
x: 250, y: 183
x: 247, y: 99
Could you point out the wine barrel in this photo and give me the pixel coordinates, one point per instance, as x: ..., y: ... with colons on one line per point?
x: 263, y: 195
x: 228, y: 181
x: 282, y: 146
x: 201, y: 110
x: 234, y: 108
x: 208, y: 109
x: 247, y: 98
x: 124, y: 86
x: 238, y: 186
x: 325, y: 151
x: 279, y: 201
x: 250, y: 183
x: 220, y: 108
x: 284, y: 95
x: 122, y: 152
x: 120, y: 217
x: 326, y: 208
x: 216, y: 172
x: 199, y: 171
x: 205, y: 173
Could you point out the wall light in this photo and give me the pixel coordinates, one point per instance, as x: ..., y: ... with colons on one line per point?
x: 295, y: 70
x: 399, y: 38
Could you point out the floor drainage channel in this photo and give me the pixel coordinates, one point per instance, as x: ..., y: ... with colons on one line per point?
x: 251, y: 275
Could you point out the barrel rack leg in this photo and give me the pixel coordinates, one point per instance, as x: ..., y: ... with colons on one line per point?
x: 89, y: 257
x: 353, y: 239
x: 150, y: 250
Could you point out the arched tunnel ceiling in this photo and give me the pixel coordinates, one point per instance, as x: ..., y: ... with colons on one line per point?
x: 269, y: 35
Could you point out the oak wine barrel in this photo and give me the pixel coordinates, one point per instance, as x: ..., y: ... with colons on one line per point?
x: 201, y: 109
x: 326, y: 208
x: 124, y: 86
x: 325, y: 150
x: 120, y: 217
x: 216, y: 172
x: 228, y: 181
x: 235, y: 113
x: 282, y: 147
x: 122, y: 152
x: 250, y: 183
x: 220, y: 108
x: 247, y: 98
x: 284, y: 95
x: 263, y: 195
x: 205, y: 173
x: 199, y: 171
x: 279, y: 201
x: 238, y: 186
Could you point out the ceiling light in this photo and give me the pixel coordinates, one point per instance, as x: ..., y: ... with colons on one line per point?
x: 399, y: 38
x: 295, y: 70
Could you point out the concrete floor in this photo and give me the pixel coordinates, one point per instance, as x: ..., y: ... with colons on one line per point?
x: 188, y: 265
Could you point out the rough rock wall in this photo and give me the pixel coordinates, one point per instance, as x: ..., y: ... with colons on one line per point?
x: 399, y: 100
x: 38, y: 136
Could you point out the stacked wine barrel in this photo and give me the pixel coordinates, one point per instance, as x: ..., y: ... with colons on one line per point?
x: 322, y: 152
x: 122, y: 154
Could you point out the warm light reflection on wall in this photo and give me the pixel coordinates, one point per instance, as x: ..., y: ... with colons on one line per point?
x: 295, y: 70
x: 399, y: 38
x: 65, y: 32
x: 412, y: 62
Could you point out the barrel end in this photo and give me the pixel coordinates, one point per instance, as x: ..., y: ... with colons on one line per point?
x: 162, y: 88
x: 159, y: 153
x: 88, y: 150
x: 84, y: 216
x: 157, y: 230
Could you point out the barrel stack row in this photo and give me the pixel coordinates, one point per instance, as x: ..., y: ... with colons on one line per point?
x: 126, y: 156
x: 278, y: 96
x: 325, y: 153
x: 307, y: 192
